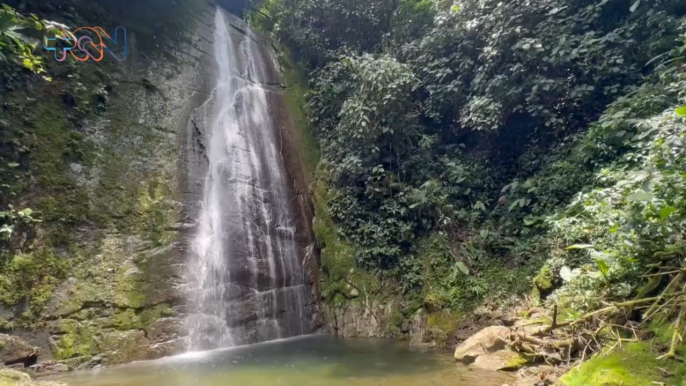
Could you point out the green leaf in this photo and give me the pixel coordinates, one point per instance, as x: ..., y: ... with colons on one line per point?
x: 463, y: 268
x: 530, y: 220
x: 635, y: 6
x: 484, y: 233
x: 579, y: 246
x: 681, y: 111
x: 667, y: 211
x: 640, y: 195
x: 6, y: 229
x: 12, y: 165
x: 603, y: 267
x: 566, y: 274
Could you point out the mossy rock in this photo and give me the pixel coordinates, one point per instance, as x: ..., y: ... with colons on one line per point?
x: 10, y: 377
x: 542, y: 284
x: 544, y: 280
x: 634, y: 365
x: 503, y: 360
x: 444, y: 321
x: 78, y: 339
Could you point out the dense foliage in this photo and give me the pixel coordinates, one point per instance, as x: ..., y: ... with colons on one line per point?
x: 519, y: 131
x: 15, y: 44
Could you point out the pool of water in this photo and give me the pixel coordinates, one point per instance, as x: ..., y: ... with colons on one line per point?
x: 305, y: 361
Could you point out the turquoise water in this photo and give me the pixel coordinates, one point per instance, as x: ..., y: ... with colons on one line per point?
x: 306, y: 361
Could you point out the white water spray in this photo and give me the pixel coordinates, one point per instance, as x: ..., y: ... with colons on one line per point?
x: 246, y: 282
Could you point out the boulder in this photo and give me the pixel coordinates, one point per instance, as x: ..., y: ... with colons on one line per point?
x: 14, y: 350
x: 488, y: 340
x: 13, y: 377
x: 10, y: 377
x: 503, y: 360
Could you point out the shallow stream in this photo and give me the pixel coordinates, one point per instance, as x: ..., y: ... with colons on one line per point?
x: 304, y: 361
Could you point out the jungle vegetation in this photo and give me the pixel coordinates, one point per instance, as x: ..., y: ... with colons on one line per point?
x: 462, y: 138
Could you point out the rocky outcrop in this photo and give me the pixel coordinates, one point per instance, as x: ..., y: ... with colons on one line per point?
x: 527, y: 346
x: 364, y: 318
x: 15, y: 351
x: 10, y: 377
x: 119, y: 191
x: 502, y: 360
x: 259, y: 290
x: 488, y: 340
x: 118, y: 226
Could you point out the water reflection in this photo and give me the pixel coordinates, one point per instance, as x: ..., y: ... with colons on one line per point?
x: 305, y: 361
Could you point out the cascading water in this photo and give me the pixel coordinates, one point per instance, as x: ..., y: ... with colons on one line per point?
x: 245, y: 276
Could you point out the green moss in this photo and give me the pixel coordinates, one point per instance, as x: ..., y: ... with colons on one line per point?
x: 297, y: 89
x: 157, y: 212
x: 542, y: 284
x: 395, y: 322
x: 515, y: 363
x: 55, y: 146
x: 129, y: 288
x: 131, y: 319
x: 544, y: 279
x: 126, y: 320
x: 31, y: 276
x: 338, y: 261
x: 535, y: 295
x: 10, y: 377
x: 663, y: 331
x: 445, y: 321
x: 78, y: 339
x: 5, y: 325
x: 634, y: 365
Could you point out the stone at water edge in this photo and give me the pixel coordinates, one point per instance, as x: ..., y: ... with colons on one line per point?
x: 15, y: 350
x: 488, y: 340
x: 9, y: 377
x: 503, y: 360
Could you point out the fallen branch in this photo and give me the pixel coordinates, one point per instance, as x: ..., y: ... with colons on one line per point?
x: 613, y: 307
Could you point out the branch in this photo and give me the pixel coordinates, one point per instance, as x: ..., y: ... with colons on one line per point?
x: 601, y: 311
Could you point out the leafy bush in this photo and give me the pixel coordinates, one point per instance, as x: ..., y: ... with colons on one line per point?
x: 15, y: 44
x: 511, y: 130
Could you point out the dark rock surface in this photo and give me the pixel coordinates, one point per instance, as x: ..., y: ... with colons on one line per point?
x: 260, y: 232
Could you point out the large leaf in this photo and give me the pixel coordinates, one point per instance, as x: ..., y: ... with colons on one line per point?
x: 667, y: 211
x: 530, y: 220
x: 463, y: 268
x: 603, y: 267
x: 25, y: 213
x: 566, y: 273
x: 681, y: 111
x: 14, y: 32
x: 640, y: 195
x: 6, y: 22
x: 484, y: 233
x: 579, y: 246
x: 635, y: 6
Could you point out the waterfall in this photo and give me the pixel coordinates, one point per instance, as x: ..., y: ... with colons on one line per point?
x: 245, y: 277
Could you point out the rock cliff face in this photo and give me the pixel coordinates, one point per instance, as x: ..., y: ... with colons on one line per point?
x: 118, y: 217
x: 245, y: 272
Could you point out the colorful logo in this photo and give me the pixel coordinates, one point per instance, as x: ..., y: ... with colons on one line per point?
x: 85, y: 43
